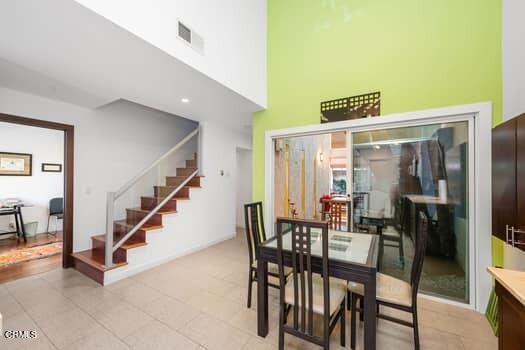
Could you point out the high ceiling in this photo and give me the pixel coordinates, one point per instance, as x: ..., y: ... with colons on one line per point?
x: 62, y: 50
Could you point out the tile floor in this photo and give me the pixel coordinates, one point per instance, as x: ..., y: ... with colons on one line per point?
x: 194, y: 302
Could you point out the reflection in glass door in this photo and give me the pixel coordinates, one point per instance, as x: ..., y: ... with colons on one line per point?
x: 399, y: 173
x: 311, y: 178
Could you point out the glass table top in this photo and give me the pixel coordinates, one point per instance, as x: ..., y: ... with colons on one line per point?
x: 342, y: 245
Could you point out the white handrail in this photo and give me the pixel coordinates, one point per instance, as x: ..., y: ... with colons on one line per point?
x: 112, y: 197
x: 131, y: 182
x: 153, y: 211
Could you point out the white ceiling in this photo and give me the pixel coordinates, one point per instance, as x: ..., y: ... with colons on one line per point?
x: 60, y: 49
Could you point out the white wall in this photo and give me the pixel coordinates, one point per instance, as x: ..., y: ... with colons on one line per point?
x: 112, y: 144
x: 513, y: 45
x: 234, y: 32
x: 46, y: 146
x: 243, y: 185
x: 207, y: 218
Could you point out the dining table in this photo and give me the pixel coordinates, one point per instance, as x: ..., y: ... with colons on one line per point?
x: 351, y: 257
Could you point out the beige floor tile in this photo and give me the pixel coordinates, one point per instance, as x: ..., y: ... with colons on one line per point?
x: 68, y: 327
x: 214, y: 305
x: 256, y: 343
x: 479, y: 344
x: 95, y: 299
x: 122, y: 319
x: 217, y: 286
x: 175, y: 314
x: 9, y: 306
x: 157, y: 336
x: 135, y: 292
x: 181, y: 289
x: 168, y: 307
x: 74, y: 285
x: 100, y: 339
x: 23, y: 322
x: 246, y: 320
x: 214, y: 334
x: 59, y: 274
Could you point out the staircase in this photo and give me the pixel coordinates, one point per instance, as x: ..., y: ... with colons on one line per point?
x: 92, y: 262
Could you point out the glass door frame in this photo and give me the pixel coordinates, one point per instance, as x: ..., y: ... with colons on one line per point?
x: 470, y: 120
x: 479, y: 117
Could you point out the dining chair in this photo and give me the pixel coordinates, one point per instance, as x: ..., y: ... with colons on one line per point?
x: 395, y: 293
x: 255, y: 234
x: 56, y: 210
x: 392, y: 237
x: 305, y: 291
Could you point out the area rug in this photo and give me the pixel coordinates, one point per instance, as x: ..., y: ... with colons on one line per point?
x: 26, y: 254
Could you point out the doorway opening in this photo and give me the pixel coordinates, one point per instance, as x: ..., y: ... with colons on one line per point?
x: 36, y: 200
x: 243, y: 184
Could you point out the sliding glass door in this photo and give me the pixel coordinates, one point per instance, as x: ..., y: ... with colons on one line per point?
x: 402, y: 174
x: 381, y: 180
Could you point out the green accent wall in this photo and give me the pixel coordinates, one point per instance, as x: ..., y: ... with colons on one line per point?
x: 497, y: 251
x: 419, y: 53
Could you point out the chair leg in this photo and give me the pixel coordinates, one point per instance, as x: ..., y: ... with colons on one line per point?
x: 48, y: 218
x: 401, y: 252
x: 282, y: 321
x: 250, y: 282
x: 348, y: 300
x: 343, y: 323
x: 353, y: 315
x: 416, y: 329
x: 361, y: 308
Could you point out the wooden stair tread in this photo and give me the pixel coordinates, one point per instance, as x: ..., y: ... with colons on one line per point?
x: 183, y: 198
x: 145, y: 227
x: 91, y: 262
x: 95, y: 260
x: 161, y: 212
x: 129, y: 244
x: 182, y: 177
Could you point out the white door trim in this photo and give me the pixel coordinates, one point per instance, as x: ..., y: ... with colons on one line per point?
x: 482, y: 206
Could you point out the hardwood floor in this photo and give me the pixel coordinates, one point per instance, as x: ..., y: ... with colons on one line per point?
x: 25, y: 269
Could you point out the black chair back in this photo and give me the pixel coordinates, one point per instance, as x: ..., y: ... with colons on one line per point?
x: 301, y: 261
x: 254, y: 224
x: 56, y: 206
x: 419, y: 255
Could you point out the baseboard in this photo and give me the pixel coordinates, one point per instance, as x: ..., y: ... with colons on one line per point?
x: 128, y: 271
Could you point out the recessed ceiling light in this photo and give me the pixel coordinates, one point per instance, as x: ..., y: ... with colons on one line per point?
x: 185, y: 100
x: 377, y: 147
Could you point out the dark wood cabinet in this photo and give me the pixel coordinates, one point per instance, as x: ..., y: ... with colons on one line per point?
x: 511, y: 320
x: 520, y: 172
x: 508, y: 177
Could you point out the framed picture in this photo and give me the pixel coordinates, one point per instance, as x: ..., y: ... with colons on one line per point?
x: 15, y: 164
x: 51, y: 168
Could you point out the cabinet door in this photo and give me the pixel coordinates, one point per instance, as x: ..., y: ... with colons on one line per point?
x: 520, y: 177
x: 504, y: 177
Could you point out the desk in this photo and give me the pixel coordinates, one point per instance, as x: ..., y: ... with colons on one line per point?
x: 445, y: 231
x: 16, y: 211
x: 351, y: 257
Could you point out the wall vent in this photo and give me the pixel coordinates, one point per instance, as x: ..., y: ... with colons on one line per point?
x: 190, y: 37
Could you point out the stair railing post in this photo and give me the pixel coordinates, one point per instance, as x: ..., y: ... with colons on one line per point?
x: 108, y: 248
x: 199, y: 150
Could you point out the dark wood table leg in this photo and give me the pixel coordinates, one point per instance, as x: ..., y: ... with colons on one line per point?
x: 22, y: 227
x: 17, y: 224
x: 262, y: 298
x: 370, y: 313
